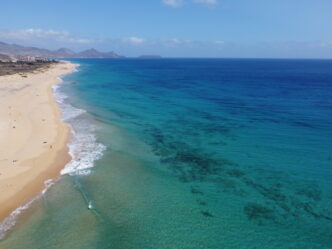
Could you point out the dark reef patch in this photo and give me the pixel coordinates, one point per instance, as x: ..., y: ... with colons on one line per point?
x: 190, y: 161
x: 201, y: 203
x: 311, y: 192
x: 207, y: 214
x: 225, y: 183
x: 271, y: 193
x: 196, y: 191
x: 235, y: 173
x: 256, y: 211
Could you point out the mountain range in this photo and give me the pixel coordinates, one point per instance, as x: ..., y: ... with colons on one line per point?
x: 15, y: 50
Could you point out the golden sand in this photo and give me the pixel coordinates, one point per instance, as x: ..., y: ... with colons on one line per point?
x: 33, y: 139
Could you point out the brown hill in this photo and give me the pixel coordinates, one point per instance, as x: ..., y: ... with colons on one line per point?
x: 14, y: 49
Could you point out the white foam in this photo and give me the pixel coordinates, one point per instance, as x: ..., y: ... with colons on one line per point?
x: 83, y: 147
x: 10, y: 221
x: 69, y: 112
x: 90, y: 206
x: 84, y: 150
x: 76, y: 68
x: 59, y: 97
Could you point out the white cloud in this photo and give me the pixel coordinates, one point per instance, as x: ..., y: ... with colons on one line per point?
x: 208, y: 2
x: 40, y: 34
x: 173, y: 3
x: 219, y: 42
x: 179, y: 3
x: 77, y: 40
x: 134, y: 40
x: 325, y: 44
x: 175, y: 42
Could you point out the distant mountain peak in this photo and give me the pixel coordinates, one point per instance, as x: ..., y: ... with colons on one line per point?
x: 92, y: 50
x: 13, y: 49
x: 93, y: 53
x: 67, y: 50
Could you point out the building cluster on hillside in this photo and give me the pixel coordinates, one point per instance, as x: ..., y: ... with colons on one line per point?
x: 22, y: 59
x: 32, y: 59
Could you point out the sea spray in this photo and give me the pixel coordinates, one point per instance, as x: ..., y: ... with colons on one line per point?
x: 83, y: 147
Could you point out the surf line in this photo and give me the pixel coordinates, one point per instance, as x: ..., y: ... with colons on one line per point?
x: 85, y: 195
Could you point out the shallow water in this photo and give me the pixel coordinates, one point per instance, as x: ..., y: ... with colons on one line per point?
x: 196, y: 153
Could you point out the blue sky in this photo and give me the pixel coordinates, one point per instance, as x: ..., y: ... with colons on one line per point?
x: 175, y: 28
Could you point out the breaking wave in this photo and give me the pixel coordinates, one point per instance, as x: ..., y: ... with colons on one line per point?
x: 83, y: 147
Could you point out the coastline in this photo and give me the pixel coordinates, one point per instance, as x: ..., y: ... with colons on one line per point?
x: 33, y: 139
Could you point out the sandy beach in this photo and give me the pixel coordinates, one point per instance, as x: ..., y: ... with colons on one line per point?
x: 33, y: 139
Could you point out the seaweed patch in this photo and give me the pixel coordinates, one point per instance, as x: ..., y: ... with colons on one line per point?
x: 207, y: 214
x: 258, y: 211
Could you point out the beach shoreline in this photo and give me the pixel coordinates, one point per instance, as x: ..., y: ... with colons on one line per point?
x: 33, y: 139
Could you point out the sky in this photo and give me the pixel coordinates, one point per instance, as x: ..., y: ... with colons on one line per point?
x: 174, y: 28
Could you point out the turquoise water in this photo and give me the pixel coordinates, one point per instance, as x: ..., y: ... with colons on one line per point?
x: 191, y: 153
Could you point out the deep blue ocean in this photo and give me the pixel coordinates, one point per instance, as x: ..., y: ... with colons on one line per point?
x: 191, y: 153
